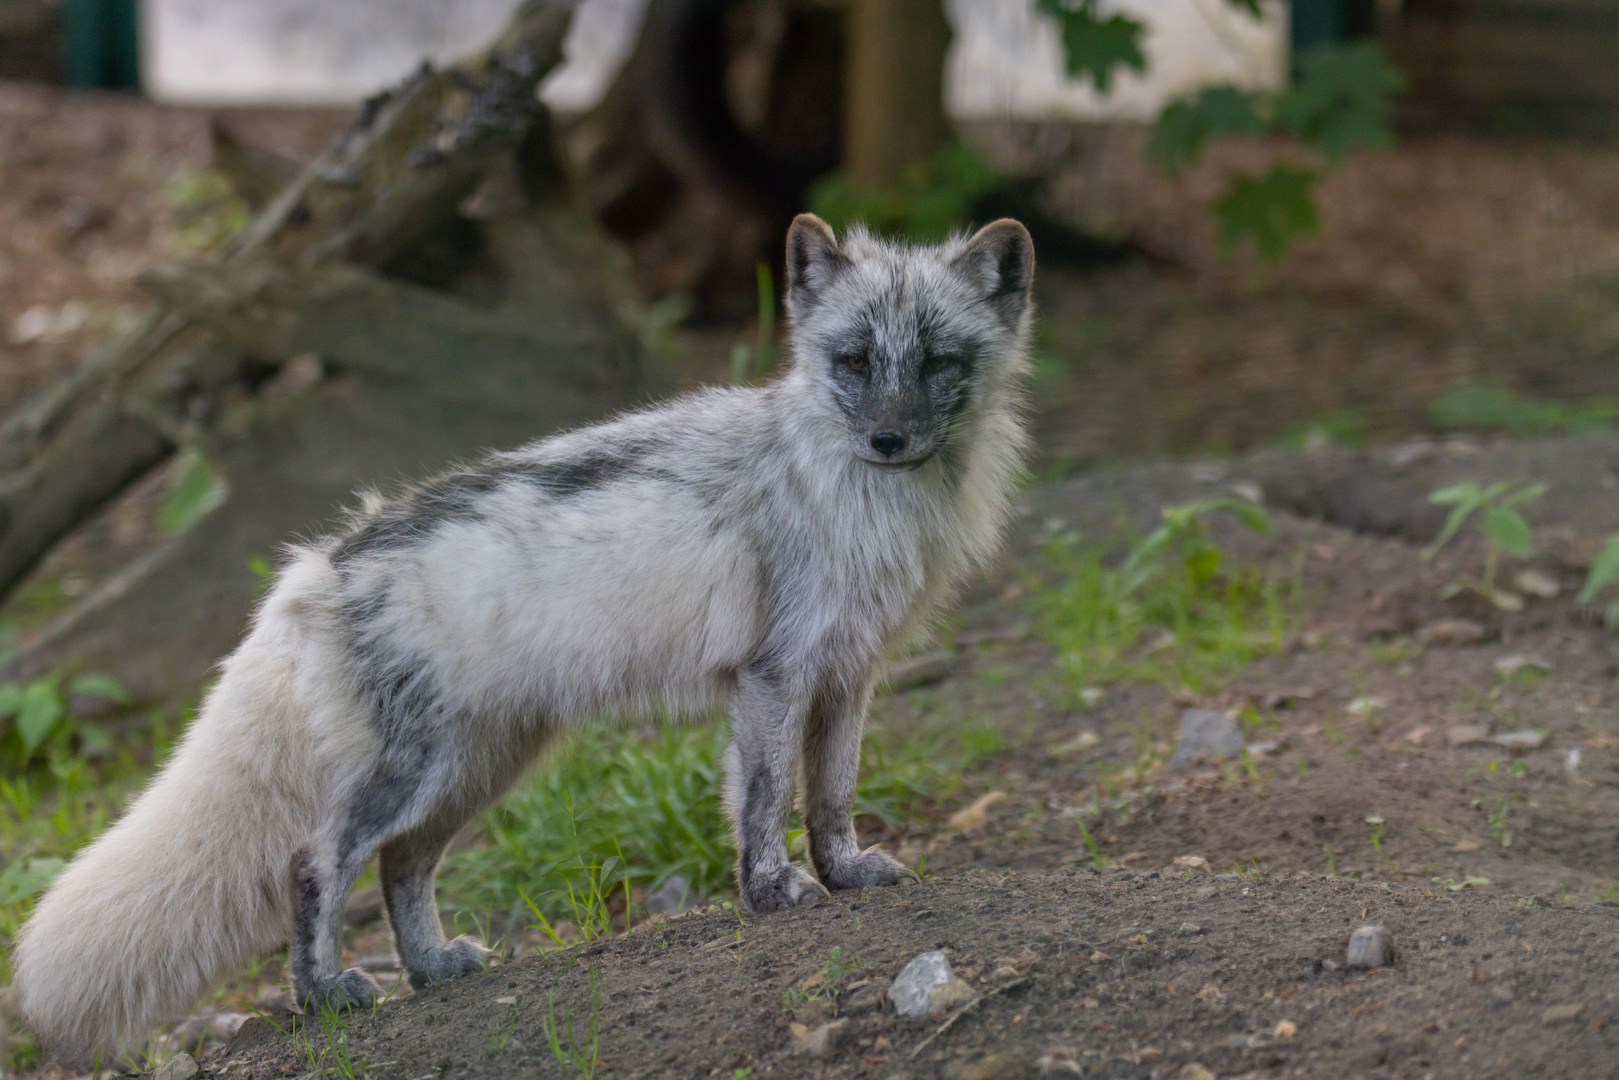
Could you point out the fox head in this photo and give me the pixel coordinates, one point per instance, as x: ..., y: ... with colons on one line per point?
x: 907, y: 341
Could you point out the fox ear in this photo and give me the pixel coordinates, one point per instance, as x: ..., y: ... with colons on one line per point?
x: 999, y: 259
x: 814, y: 260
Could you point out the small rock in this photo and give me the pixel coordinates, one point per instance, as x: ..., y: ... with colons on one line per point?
x: 867, y: 999
x: 1370, y: 947
x: 1364, y: 707
x: 1561, y: 1014
x: 1467, y: 735
x: 909, y: 993
x: 1501, y: 994
x: 920, y: 671
x: 1286, y: 1031
x: 988, y: 1067
x: 816, y: 1011
x: 1191, y: 929
x: 1571, y: 761
x: 1453, y: 632
x: 1207, y: 892
x: 1004, y: 973
x: 821, y: 1042
x: 1519, y: 740
x: 1194, y: 1071
x: 1078, y: 744
x: 1192, y: 862
x: 223, y: 1026
x: 1508, y: 666
x: 941, y: 999
x: 181, y: 1066
x: 1537, y: 583
x: 674, y: 897
x: 1205, y: 733
x: 976, y: 815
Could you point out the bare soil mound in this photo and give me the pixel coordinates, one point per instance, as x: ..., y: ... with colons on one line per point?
x: 1079, y: 972
x: 1440, y: 767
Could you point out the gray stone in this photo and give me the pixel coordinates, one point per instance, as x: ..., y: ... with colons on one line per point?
x: 1520, y: 740
x: 1467, y: 735
x: 179, y: 1067
x: 674, y: 897
x: 819, y: 1042
x: 909, y: 993
x: 1453, y: 632
x: 867, y: 999
x: 1370, y: 947
x: 1206, y: 733
x: 1561, y: 1014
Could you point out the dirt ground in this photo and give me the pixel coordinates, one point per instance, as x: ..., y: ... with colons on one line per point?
x: 1225, y: 896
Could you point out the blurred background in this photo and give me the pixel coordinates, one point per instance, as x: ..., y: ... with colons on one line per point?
x: 256, y: 254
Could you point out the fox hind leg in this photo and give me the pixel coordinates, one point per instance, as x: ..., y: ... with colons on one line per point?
x: 394, y: 800
x: 317, y: 940
x: 407, y: 865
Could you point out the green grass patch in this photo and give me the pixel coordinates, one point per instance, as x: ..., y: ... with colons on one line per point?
x: 1173, y: 611
x: 636, y: 807
x: 65, y: 778
x: 1475, y: 406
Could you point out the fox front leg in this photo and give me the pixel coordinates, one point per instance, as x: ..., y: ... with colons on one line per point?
x: 760, y: 766
x: 831, y: 768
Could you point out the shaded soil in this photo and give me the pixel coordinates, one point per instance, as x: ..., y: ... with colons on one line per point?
x: 1117, y: 973
x: 1219, y: 900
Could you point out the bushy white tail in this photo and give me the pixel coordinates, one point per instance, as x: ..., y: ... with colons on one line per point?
x: 193, y: 882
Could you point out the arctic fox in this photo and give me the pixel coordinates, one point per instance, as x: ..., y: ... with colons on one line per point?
x: 764, y: 548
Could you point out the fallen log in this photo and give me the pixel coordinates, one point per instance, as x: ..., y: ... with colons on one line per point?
x: 394, y: 178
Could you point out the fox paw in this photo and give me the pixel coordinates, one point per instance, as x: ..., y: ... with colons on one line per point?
x: 789, y: 886
x: 869, y: 869
x: 353, y: 989
x: 462, y: 956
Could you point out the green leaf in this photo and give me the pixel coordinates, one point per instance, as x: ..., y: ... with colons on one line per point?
x: 101, y: 686
x: 1250, y: 6
x: 1094, y: 46
x: 1465, y: 492
x: 1185, y: 126
x: 27, y: 878
x: 1507, y: 529
x: 1272, y: 210
x: 1604, y: 571
x: 1341, y: 99
x: 1453, y: 523
x: 194, y: 492
x: 10, y: 700
x: 1527, y: 493
x: 41, y: 711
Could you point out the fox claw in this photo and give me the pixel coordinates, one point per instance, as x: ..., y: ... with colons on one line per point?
x: 353, y: 989
x: 791, y: 886
x: 871, y: 868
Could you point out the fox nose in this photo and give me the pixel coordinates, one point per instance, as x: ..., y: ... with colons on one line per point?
x: 888, y: 443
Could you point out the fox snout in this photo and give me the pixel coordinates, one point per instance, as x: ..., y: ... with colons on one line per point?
x: 895, y: 444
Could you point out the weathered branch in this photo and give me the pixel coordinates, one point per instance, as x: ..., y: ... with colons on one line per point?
x: 387, y: 183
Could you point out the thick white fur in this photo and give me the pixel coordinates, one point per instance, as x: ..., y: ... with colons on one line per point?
x: 644, y: 594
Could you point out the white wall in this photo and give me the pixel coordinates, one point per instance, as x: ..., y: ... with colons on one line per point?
x: 1006, y: 61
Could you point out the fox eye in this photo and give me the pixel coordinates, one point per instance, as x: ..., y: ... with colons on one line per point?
x: 855, y: 361
x: 936, y: 362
